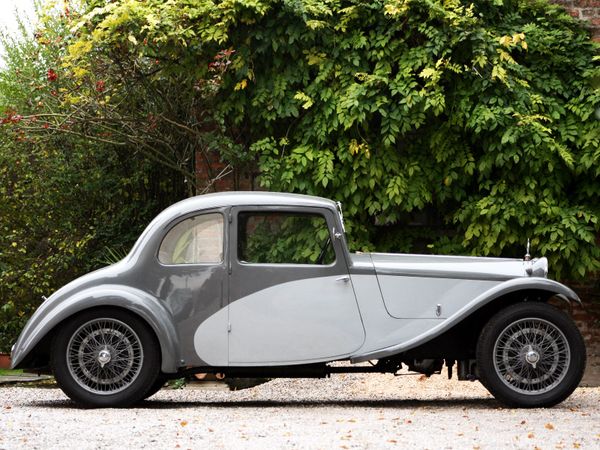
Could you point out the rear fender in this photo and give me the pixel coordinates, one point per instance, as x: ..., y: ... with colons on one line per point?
x: 51, y: 313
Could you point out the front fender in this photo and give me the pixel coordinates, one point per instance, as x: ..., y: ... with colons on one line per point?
x: 53, y: 311
x: 553, y: 288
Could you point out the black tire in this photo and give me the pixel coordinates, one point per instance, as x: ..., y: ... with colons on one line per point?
x: 157, y: 386
x: 530, y: 355
x: 105, y: 358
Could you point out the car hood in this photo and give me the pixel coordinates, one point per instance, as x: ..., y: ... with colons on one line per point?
x: 467, y: 267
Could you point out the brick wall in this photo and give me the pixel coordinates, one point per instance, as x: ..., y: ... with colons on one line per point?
x: 213, y: 175
x: 586, y: 10
x: 588, y: 321
x: 588, y: 316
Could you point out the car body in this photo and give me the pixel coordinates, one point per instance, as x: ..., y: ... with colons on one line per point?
x: 262, y: 284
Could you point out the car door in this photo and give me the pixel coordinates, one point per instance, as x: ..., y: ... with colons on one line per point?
x: 193, y: 283
x: 291, y: 299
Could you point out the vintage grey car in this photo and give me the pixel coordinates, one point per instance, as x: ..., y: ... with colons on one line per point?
x: 257, y: 284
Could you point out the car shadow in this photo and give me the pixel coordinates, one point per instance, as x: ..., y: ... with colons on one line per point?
x: 458, y: 403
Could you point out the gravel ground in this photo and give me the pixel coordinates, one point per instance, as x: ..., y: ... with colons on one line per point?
x: 345, y: 411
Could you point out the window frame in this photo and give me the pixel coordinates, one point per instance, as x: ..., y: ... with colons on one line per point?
x: 325, y: 213
x: 172, y: 224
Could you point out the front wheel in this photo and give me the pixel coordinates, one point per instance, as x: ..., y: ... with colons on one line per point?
x: 105, y: 358
x: 530, y: 355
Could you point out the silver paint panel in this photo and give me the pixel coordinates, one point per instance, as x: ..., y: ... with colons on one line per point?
x: 408, y: 297
x: 296, y: 322
x: 455, y: 267
x: 52, y: 313
x: 408, y: 341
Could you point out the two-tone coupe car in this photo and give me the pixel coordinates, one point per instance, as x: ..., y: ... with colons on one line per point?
x: 257, y: 284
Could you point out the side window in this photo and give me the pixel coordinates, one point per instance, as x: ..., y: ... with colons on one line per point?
x: 284, y: 238
x: 197, y: 240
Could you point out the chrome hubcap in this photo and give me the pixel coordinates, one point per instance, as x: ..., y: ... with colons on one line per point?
x: 104, y: 356
x: 531, y: 356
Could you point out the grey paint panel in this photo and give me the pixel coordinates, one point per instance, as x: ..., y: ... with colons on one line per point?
x: 51, y: 314
x: 193, y: 294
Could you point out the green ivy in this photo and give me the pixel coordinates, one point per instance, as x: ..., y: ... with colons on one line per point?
x: 446, y: 126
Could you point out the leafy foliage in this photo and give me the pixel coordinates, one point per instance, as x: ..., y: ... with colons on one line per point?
x: 284, y: 238
x: 441, y: 125
x: 68, y: 204
x: 466, y: 127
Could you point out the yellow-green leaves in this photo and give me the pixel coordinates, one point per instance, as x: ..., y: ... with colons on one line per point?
x: 307, y: 101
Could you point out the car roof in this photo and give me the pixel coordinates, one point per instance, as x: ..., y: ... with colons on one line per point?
x: 248, y: 198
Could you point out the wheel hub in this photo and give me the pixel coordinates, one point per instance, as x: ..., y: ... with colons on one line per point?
x: 532, y: 357
x: 104, y: 357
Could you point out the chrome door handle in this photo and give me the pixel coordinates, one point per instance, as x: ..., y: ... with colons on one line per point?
x: 345, y: 279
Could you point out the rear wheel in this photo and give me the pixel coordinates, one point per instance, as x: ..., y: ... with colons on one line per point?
x: 105, y: 358
x: 530, y: 355
x: 157, y: 386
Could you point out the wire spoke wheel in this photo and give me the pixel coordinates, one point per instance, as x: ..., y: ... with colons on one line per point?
x: 531, y: 356
x: 104, y: 356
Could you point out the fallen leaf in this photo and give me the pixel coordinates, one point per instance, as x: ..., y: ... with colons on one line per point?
x: 352, y: 420
x: 392, y: 441
x: 183, y: 423
x: 8, y: 407
x: 523, y: 422
x: 549, y: 426
x: 461, y: 434
x: 323, y: 423
x: 576, y: 445
x: 531, y: 435
x: 210, y: 430
x: 408, y: 421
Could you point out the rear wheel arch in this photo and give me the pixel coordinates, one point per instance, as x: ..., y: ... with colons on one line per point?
x: 168, y: 346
